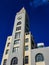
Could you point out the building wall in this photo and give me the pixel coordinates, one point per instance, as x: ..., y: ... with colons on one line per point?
x: 40, y: 63
x: 5, y: 56
x: 44, y: 51
x: 28, y: 52
x: 20, y: 16
x: 19, y: 53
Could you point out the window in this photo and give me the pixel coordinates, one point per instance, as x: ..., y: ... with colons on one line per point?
x: 14, y: 61
x: 18, y: 28
x: 19, y: 23
x: 19, y: 17
x: 17, y: 41
x: 7, y: 51
x: 5, y: 60
x: 26, y: 47
x: 26, y: 40
x: 39, y: 57
x: 27, y: 33
x: 15, y: 49
x: 8, y: 44
x: 17, y: 35
x: 26, y: 59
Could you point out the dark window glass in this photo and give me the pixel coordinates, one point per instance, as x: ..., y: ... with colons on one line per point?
x: 19, y: 23
x: 19, y: 17
x: 39, y: 57
x: 17, y: 35
x: 7, y: 51
x: 26, y: 40
x: 17, y: 41
x: 14, y: 61
x: 26, y: 59
x: 27, y: 33
x: 8, y: 44
x: 26, y: 47
x: 18, y: 28
x: 5, y: 60
x: 15, y: 49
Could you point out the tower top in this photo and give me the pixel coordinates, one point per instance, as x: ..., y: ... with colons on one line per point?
x: 21, y: 11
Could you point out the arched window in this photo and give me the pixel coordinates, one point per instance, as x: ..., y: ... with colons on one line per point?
x: 14, y: 61
x: 39, y: 57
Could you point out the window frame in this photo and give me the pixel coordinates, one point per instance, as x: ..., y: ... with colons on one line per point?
x: 15, y: 49
x: 18, y: 28
x: 16, y: 41
x: 17, y: 35
x: 19, y: 23
x: 26, y: 59
x: 26, y: 47
x: 7, y: 51
x: 26, y: 40
x: 4, y: 62
x: 14, y: 61
x: 8, y: 44
x: 39, y: 57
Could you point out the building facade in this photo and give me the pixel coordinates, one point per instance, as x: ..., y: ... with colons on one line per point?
x: 20, y: 48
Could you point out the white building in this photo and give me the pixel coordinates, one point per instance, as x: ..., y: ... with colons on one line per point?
x: 20, y: 48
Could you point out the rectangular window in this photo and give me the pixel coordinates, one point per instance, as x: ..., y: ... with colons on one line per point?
x: 8, y: 44
x: 17, y: 35
x: 5, y: 60
x: 26, y: 40
x: 15, y: 49
x: 18, y: 28
x: 17, y: 41
x: 26, y: 47
x: 7, y: 51
x: 26, y: 59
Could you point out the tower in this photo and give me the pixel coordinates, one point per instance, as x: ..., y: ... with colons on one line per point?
x: 18, y: 36
x: 16, y: 50
x: 21, y: 42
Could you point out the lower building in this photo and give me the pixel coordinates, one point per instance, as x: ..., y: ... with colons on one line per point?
x: 40, y: 56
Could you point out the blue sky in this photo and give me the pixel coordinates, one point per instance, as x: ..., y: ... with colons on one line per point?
x: 38, y: 12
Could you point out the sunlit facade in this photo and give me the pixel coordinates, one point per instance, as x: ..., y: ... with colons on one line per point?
x: 20, y: 47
